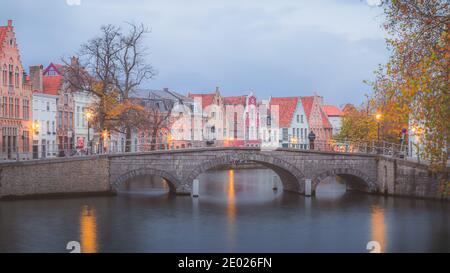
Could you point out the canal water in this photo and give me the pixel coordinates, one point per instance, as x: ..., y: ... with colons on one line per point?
x: 237, y: 211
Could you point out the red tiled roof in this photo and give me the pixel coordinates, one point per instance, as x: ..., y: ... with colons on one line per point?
x: 287, y: 106
x: 207, y: 99
x: 325, y: 122
x: 234, y: 100
x: 332, y: 111
x: 58, y: 67
x: 307, y: 105
x: 51, y: 84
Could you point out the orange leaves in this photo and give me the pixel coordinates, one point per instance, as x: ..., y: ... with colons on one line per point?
x: 415, y: 81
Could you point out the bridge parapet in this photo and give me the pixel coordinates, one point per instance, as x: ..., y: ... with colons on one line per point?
x: 104, y: 173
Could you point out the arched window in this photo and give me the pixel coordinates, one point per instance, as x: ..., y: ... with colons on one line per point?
x: 16, y: 77
x: 5, y: 75
x: 10, y: 74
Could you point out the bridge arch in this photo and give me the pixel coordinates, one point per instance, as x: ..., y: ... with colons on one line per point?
x: 291, y: 177
x: 355, y: 178
x: 172, y: 181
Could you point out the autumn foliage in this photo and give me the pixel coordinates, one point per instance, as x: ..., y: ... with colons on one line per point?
x: 413, y: 86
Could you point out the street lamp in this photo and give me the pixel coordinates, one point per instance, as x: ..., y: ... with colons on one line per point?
x: 378, y: 118
x: 36, y: 127
x: 88, y: 119
x: 104, y: 137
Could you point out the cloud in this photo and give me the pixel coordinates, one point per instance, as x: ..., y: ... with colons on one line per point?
x: 286, y: 47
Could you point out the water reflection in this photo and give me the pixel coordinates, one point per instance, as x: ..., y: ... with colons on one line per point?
x: 237, y: 211
x: 378, y: 227
x: 231, y: 207
x: 88, y: 230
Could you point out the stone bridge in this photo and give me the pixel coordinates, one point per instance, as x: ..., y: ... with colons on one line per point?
x: 105, y: 173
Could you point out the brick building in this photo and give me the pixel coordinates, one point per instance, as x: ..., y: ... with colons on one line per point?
x: 15, y: 99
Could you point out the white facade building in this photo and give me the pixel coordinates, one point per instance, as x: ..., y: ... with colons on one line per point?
x: 292, y: 121
x: 44, y: 123
x: 83, y: 101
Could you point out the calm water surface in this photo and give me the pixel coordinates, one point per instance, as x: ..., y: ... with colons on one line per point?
x: 237, y: 211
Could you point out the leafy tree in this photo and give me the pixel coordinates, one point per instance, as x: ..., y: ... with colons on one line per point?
x: 414, y: 83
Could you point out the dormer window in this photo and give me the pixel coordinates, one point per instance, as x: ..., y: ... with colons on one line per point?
x: 10, y: 41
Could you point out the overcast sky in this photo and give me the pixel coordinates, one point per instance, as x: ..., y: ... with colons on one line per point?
x: 278, y: 48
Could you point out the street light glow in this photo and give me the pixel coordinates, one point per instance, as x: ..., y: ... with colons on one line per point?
x: 378, y: 116
x: 88, y: 115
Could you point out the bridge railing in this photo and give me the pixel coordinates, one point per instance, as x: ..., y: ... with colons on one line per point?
x: 334, y: 145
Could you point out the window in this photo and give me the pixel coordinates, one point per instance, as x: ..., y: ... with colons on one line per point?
x: 4, y: 107
x: 301, y: 118
x: 26, y: 141
x: 66, y: 99
x: 70, y: 120
x: 301, y: 132
x: 5, y: 75
x: 48, y: 106
x: 285, y: 134
x: 66, y: 119
x: 16, y: 78
x: 17, y: 110
x: 48, y: 127
x: 26, y: 109
x: 78, y: 116
x: 83, y: 117
x: 59, y: 119
x: 298, y: 118
x: 11, y: 107
x: 293, y: 132
x: 10, y: 80
x: 298, y: 133
x: 53, y: 127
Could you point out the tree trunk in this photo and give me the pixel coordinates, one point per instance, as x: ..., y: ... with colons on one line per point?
x: 128, y: 139
x: 154, y: 134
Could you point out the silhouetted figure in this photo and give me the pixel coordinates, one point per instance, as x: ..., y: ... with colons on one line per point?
x: 311, y: 137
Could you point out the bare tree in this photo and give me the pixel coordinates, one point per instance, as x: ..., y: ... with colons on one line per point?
x: 158, y: 119
x: 111, y: 66
x: 133, y: 71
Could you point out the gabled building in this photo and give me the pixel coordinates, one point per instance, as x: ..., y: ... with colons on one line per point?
x: 45, y: 95
x: 53, y: 80
x: 174, y: 113
x: 334, y: 115
x: 317, y: 120
x: 15, y: 100
x: 292, y: 122
x: 229, y: 121
x: 211, y: 111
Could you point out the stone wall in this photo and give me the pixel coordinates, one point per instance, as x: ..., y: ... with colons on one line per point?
x: 98, y: 174
x: 405, y: 178
x: 54, y: 177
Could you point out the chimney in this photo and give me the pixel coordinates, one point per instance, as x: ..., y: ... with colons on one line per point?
x: 165, y: 89
x: 74, y: 61
x: 36, y: 77
x: 10, y: 23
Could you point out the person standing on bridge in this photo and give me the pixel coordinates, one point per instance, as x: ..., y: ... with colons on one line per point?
x: 311, y: 137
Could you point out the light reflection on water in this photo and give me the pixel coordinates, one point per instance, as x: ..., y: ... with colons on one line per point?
x: 88, y: 230
x: 237, y: 211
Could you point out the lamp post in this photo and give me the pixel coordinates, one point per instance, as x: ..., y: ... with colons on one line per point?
x: 104, y: 137
x: 378, y: 118
x: 88, y: 119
